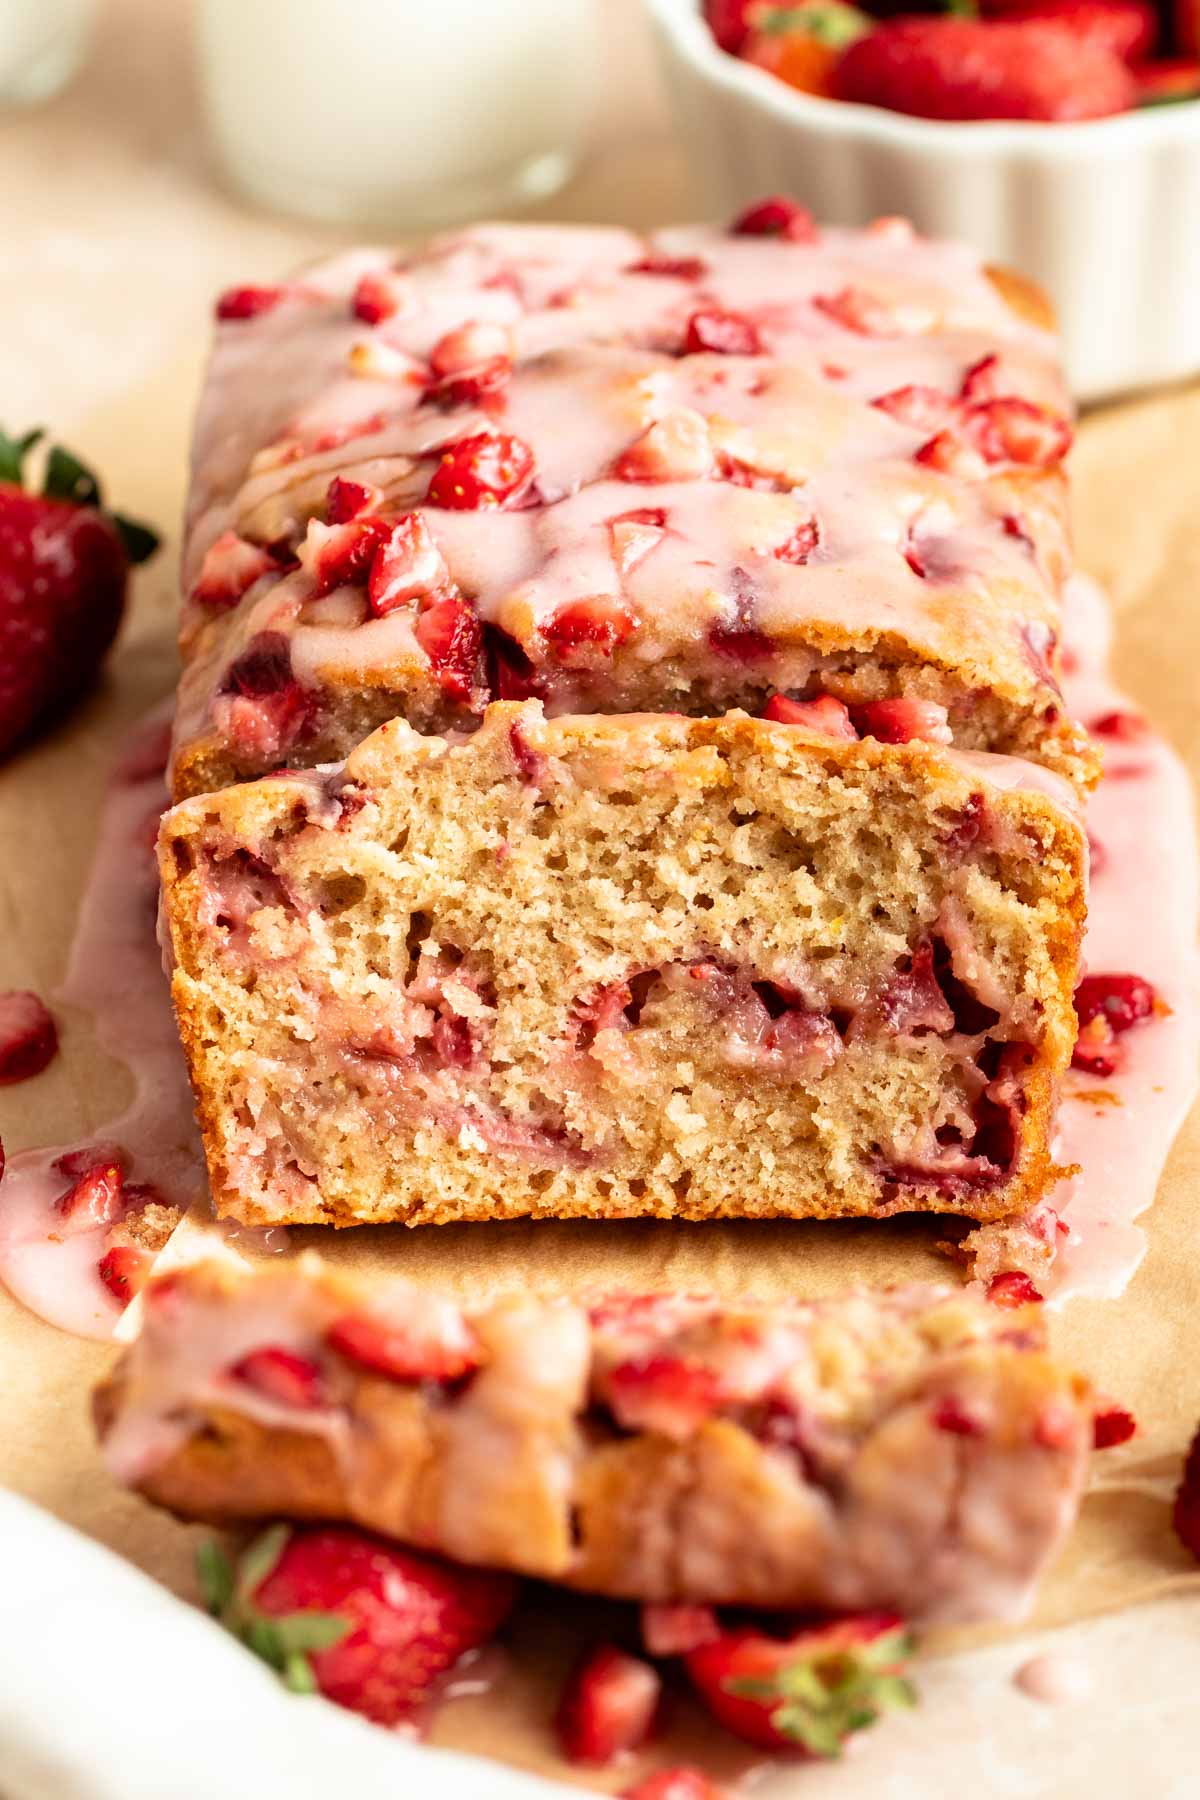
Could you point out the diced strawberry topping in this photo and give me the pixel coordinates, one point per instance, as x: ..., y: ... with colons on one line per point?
x: 437, y: 1345
x: 634, y: 535
x: 951, y: 1415
x: 407, y: 564
x: 1185, y: 1513
x: 1128, y: 727
x: 946, y: 452
x: 680, y: 268
x: 74, y: 1163
x: 741, y: 644
x: 903, y: 719
x: 123, y: 1270
x: 670, y: 1395
x: 1011, y: 430
x: 1107, y: 1005
x: 472, y: 362
x: 608, y: 1707
x: 867, y: 314
x: 725, y: 333
x: 676, y: 447
x: 484, y: 470
x: 1112, y: 1425
x: 341, y: 555
x: 248, y: 302
x: 598, y: 623
x: 924, y: 408
x: 231, y: 566
x: 374, y: 300
x: 94, y: 1199
x: 450, y: 635
x: 346, y: 500
x: 673, y: 1630
x: 281, y: 1375
x: 1013, y: 1288
x: 28, y: 1036
x: 271, y: 711
x: 800, y: 544
x: 824, y: 714
x: 983, y: 380
x: 681, y: 1782
x: 777, y: 216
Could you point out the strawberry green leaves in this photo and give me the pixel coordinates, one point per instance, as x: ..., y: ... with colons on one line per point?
x: 71, y: 481
x: 818, y: 1702
x: 285, y: 1643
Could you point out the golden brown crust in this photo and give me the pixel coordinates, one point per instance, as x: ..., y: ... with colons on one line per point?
x: 1029, y: 301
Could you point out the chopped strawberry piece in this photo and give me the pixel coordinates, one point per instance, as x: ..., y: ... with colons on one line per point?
x: 1013, y: 1288
x: 471, y: 362
x: 123, y: 1271
x: 669, y: 1630
x: 777, y: 216
x: 511, y: 675
x: 904, y: 719
x: 230, y: 568
x: 531, y: 764
x: 671, y: 1395
x: 1167, y: 79
x: 810, y: 1691
x: 281, y: 1374
x: 924, y: 408
x: 371, y: 1626
x: 436, y: 1345
x: 94, y: 1199
x: 341, y: 555
x: 863, y: 312
x: 947, y: 453
x: 598, y: 623
x: 28, y: 1036
x: 633, y: 539
x: 1112, y: 1425
x: 1121, y: 1000
x: 983, y: 380
x: 407, y: 564
x: 374, y: 300
x: 824, y: 714
x: 1127, y: 727
x: 248, y: 302
x: 725, y: 333
x: 680, y: 268
x: 951, y: 1415
x: 678, y: 1783
x: 741, y: 644
x: 449, y: 634
x: 1097, y: 1051
x: 676, y: 447
x: 346, y: 500
x: 1185, y: 1514
x: 484, y: 470
x: 278, y: 710
x: 799, y: 546
x: 608, y: 1707
x: 1011, y: 430
x: 74, y: 1163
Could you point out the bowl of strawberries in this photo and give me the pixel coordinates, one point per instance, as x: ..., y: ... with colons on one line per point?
x: 1062, y: 137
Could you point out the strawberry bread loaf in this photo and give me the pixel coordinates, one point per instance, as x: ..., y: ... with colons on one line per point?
x: 696, y: 471
x: 912, y: 1448
x: 609, y: 966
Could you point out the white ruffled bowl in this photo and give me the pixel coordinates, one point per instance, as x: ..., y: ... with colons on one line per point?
x: 1104, y: 215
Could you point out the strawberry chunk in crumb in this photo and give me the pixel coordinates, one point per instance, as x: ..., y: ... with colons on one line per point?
x: 671, y: 1395
x: 903, y: 719
x: 1013, y: 1288
x: 608, y: 1707
x: 439, y: 1345
x: 824, y: 714
x: 281, y: 1374
x: 598, y: 623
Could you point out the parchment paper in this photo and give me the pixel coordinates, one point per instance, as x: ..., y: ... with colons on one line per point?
x: 1137, y: 476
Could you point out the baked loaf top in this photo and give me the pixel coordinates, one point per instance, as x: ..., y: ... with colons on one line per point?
x: 911, y: 1447
x: 622, y: 473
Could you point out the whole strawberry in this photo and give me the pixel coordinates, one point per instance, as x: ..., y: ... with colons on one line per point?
x: 1128, y: 27
x: 948, y: 68
x: 372, y: 1627
x: 810, y: 1691
x: 63, y: 568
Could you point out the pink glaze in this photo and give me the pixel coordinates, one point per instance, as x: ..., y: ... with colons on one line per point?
x: 1054, y: 1680
x: 115, y: 975
x: 1142, y: 918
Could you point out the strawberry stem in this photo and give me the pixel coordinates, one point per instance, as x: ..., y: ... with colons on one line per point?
x: 284, y: 1642
x: 13, y: 452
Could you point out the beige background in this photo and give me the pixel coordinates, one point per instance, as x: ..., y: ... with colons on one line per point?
x: 113, y: 237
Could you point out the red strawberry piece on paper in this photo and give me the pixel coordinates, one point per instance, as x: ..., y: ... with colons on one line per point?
x: 438, y: 1345
x: 230, y: 568
x: 371, y: 1626
x: 1107, y: 1006
x: 1129, y: 28
x: 600, y: 622
x: 1112, y: 1425
x: 954, y: 68
x: 824, y: 714
x: 282, y: 1375
x: 64, y: 566
x: 673, y: 1630
x: 450, y: 635
x: 722, y: 333
x: 608, y: 1707
x: 1185, y: 1514
x: 484, y: 470
x: 406, y: 565
x: 810, y: 1691
x: 1012, y: 1288
x: 28, y: 1036
x: 777, y: 216
x: 681, y: 1782
x: 238, y: 304
x: 123, y: 1270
